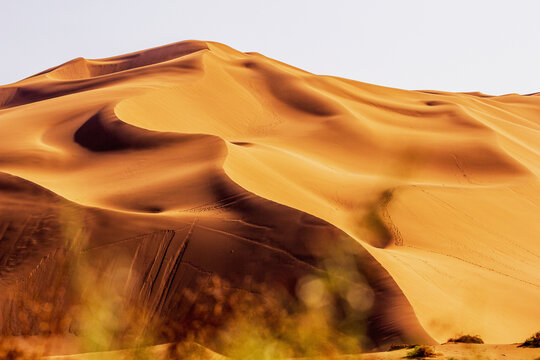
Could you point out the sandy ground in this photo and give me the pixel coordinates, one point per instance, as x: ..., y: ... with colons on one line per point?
x: 465, y: 351
x: 447, y: 351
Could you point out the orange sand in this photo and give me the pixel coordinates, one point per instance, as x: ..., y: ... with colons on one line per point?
x: 234, y: 150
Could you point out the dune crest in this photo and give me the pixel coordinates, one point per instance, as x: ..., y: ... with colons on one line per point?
x: 438, y: 194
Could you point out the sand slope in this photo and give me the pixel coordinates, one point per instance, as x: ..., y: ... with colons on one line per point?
x: 437, y: 193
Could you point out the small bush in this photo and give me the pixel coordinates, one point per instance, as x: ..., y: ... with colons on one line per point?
x: 533, y: 341
x: 421, y: 352
x: 401, y: 346
x: 467, y: 339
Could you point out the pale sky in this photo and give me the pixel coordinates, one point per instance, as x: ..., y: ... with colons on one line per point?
x: 491, y: 46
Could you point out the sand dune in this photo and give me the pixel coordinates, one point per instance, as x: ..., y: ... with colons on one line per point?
x: 215, y: 162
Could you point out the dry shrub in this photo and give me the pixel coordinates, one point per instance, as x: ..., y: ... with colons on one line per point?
x: 421, y: 351
x: 532, y: 342
x: 394, y: 347
x: 323, y: 315
x: 265, y: 323
x: 467, y: 339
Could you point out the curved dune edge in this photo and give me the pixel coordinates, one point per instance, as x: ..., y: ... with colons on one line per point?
x: 441, y: 189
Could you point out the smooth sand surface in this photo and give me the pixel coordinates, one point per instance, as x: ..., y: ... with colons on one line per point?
x: 241, y: 162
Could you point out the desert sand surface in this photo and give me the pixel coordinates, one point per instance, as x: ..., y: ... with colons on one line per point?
x: 139, y: 181
x: 456, y: 351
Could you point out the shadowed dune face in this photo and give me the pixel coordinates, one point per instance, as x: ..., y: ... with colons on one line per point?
x: 213, y: 162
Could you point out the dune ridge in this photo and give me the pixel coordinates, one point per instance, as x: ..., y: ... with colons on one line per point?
x: 436, y: 193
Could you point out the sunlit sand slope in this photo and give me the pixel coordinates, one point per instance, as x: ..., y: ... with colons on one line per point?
x: 214, y: 150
